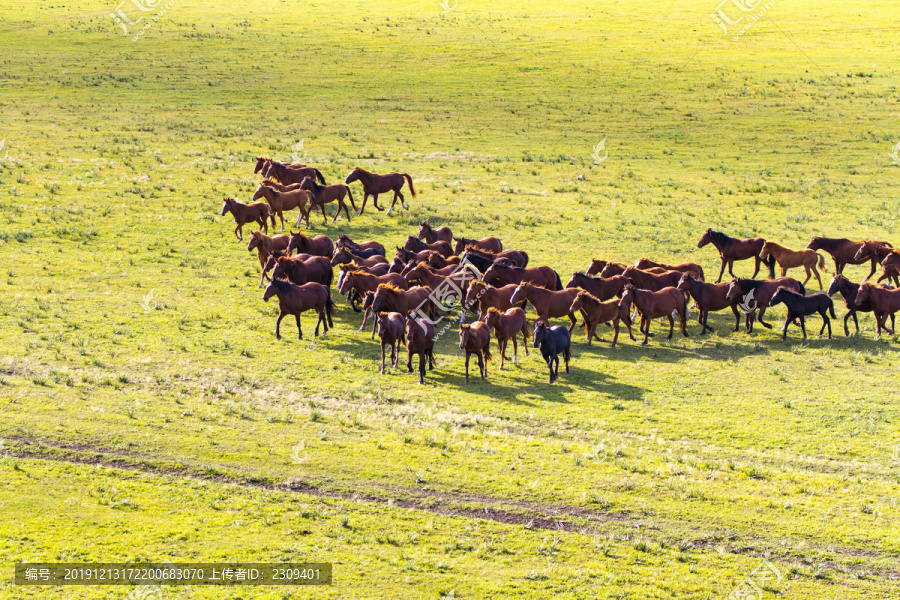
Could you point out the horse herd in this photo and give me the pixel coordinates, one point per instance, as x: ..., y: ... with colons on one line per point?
x: 435, y: 272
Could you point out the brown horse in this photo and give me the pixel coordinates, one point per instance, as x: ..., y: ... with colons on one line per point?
x: 436, y: 260
x: 444, y: 271
x: 688, y: 267
x: 407, y: 257
x: 884, y: 304
x: 343, y: 256
x: 483, y: 259
x: 732, y: 249
x: 594, y: 311
x: 392, y: 330
x: 344, y: 240
x: 603, y: 288
x: 506, y: 325
x: 298, y: 271
x: 264, y: 246
x: 297, y: 299
x: 323, y: 194
x: 500, y: 274
x: 374, y: 184
x: 262, y: 162
x: 282, y: 198
x: 430, y: 235
x: 247, y: 213
x: 488, y: 244
x: 709, y: 297
x: 843, y: 252
x: 653, y: 305
x: 645, y: 280
x: 288, y: 174
x: 753, y: 297
x: 848, y: 290
x: 598, y: 265
x: 353, y: 298
x: 390, y: 298
x: 321, y: 245
x: 789, y: 259
x: 275, y: 255
x: 414, y: 244
x: 419, y: 341
x: 363, y: 283
x: 422, y: 274
x: 878, y: 251
x: 613, y: 269
x: 484, y: 297
x: 547, y: 304
x: 476, y: 339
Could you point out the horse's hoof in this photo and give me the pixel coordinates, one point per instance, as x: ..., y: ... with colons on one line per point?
x: 406, y: 206
x: 379, y: 208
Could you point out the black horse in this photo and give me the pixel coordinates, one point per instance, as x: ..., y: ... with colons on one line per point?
x: 849, y: 290
x: 800, y: 306
x: 552, y: 341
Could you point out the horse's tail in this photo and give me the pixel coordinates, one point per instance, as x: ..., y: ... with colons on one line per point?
x: 329, y: 277
x: 487, y: 351
x: 319, y: 176
x: 349, y: 193
x: 412, y: 190
x: 558, y: 282
x: 802, y: 288
x: 524, y: 254
x: 831, y: 309
x: 770, y: 262
x: 329, y: 309
x: 821, y: 260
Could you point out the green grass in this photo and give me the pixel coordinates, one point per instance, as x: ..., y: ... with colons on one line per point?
x: 149, y: 413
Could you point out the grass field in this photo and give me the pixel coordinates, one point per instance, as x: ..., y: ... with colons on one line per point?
x: 148, y: 413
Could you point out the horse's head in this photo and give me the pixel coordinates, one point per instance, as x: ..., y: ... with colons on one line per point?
x: 865, y: 291
x: 227, y: 203
x: 296, y: 239
x: 520, y: 293
x: 837, y: 282
x: 473, y: 292
x: 307, y: 184
x: 460, y: 244
x: 861, y: 254
x: 705, y: 239
x: 815, y: 243
x: 353, y: 176
x: 381, y: 322
x: 891, y: 261
x: 645, y: 263
x: 492, y: 318
x: 766, y: 250
x: 778, y: 296
x: 627, y: 296
x: 270, y: 262
x: 539, y: 335
x: 345, y: 281
x: 255, y: 240
x: 734, y: 288
x: 684, y: 282
x: 612, y: 269
x: 578, y: 302
x: 340, y: 257
x: 465, y: 332
x: 424, y: 230
x: 271, y: 290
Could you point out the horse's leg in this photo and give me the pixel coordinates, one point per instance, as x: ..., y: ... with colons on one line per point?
x: 239, y: 232
x: 515, y: 348
x: 525, y: 338
x: 365, y: 198
x: 671, y: 326
x: 803, y: 326
x: 324, y: 216
x: 374, y: 324
x: 468, y: 355
x: 395, y: 353
x: 482, y: 364
x: 346, y: 210
x: 365, y: 318
x: 755, y: 272
x: 278, y: 326
x: 737, y: 318
x: 382, y: 356
x: 759, y: 317
x: 645, y: 327
x: 299, y: 329
x: 892, y: 323
x: 850, y: 313
x: 784, y: 329
x: 731, y: 267
x: 615, y: 335
x: 874, y: 268
x: 808, y: 275
x: 550, y: 360
x: 421, y: 368
x: 574, y: 323
x: 375, y: 201
x: 280, y: 216
x: 722, y: 271
x: 321, y: 315
x: 501, y: 346
x: 827, y: 321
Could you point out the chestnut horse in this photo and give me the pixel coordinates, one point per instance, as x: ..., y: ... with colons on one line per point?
x: 414, y: 244
x: 282, y: 198
x: 321, y: 245
x: 688, y: 267
x: 483, y: 259
x: 842, y: 251
x: 297, y: 299
x: 732, y: 249
x: 753, y: 296
x: 500, y: 274
x: 419, y: 341
x: 276, y: 254
x: 390, y: 298
x: 363, y: 283
x: 262, y: 162
x: 884, y: 303
x: 485, y: 297
x: 879, y: 252
x: 653, y: 305
x: 598, y: 265
x: 594, y: 311
x: 299, y: 271
x: 323, y: 194
x: 476, y: 339
x: 488, y: 244
x: 800, y: 307
x: 352, y: 297
x: 288, y: 174
x: 506, y: 325
x: 344, y: 256
x: 789, y: 259
x: 645, y: 280
x: 392, y: 330
x: 247, y: 213
x: 374, y: 184
x: 345, y: 240
x: 710, y: 297
x: 848, y: 290
x: 264, y: 246
x: 441, y: 234
x: 603, y: 288
x: 547, y: 304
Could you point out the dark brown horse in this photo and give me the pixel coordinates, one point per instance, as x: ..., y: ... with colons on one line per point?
x: 506, y: 325
x: 414, y: 244
x: 476, y: 339
x: 390, y: 298
x: 363, y: 283
x: 645, y: 280
x: 392, y: 330
x: 374, y: 184
x: 843, y: 252
x: 419, y: 341
x: 247, y: 213
x: 753, y: 297
x: 732, y: 249
x: 344, y: 240
x: 276, y: 254
x: 884, y: 304
x: 594, y: 311
x: 265, y: 246
x: 313, y: 269
x: 598, y: 265
x: 262, y: 162
x: 408, y: 257
x: 430, y: 235
x: 324, y: 194
x: 288, y: 174
x: 603, y: 288
x: 710, y: 297
x: 422, y: 274
x: 343, y: 256
x: 488, y: 244
x: 849, y: 290
x: 653, y: 305
x: 321, y: 245
x: 297, y: 299
x: 547, y: 304
x: 688, y: 267
x: 483, y: 297
x: 282, y: 198
x: 483, y: 259
x: 500, y: 274
x: 878, y: 251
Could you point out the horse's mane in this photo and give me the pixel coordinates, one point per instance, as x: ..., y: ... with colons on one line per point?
x: 505, y: 263
x: 486, y: 254
x: 493, y: 310
x: 827, y: 243
x: 390, y: 288
x: 784, y: 288
x: 301, y: 235
x: 283, y: 285
x: 586, y: 294
x: 879, y: 245
x: 749, y: 284
x: 720, y: 238
x: 279, y: 254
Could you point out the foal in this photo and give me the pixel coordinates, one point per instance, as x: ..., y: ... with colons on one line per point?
x: 265, y: 246
x: 391, y: 329
x: 247, y: 213
x: 884, y: 303
x: 297, y: 299
x: 506, y: 325
x: 594, y: 311
x: 476, y: 339
x: 709, y: 297
x: 800, y: 307
x: 420, y: 341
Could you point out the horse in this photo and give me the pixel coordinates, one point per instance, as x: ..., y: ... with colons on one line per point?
x: 262, y: 162
x: 506, y: 325
x: 688, y: 267
x: 800, y: 307
x: 884, y: 303
x: 732, y: 249
x: 343, y: 256
x: 603, y: 288
x: 595, y: 311
x: 547, y: 304
x: 374, y: 184
x: 282, y: 198
x: 652, y: 305
x: 789, y: 259
x: 485, y: 297
x: 598, y: 265
x: 709, y: 297
x: 420, y: 342
x: 483, y: 259
x: 444, y: 271
x: 264, y: 246
x: 297, y: 299
x: 849, y: 290
x: 247, y: 213
x: 879, y: 252
x: 276, y: 254
x: 488, y: 244
x: 476, y: 339
x: 414, y: 244
x: 299, y: 271
x: 352, y: 297
x: 430, y: 235
x: 552, y: 341
x: 391, y: 329
x: 753, y: 296
x: 390, y: 298
x: 360, y: 252
x: 321, y: 245
x: 500, y: 274
x: 323, y: 194
x: 363, y: 283
x: 436, y: 260
x: 345, y: 240
x: 407, y: 257
x: 614, y: 269
x: 422, y: 274
x: 288, y: 174
x: 645, y: 280
x: 842, y: 251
